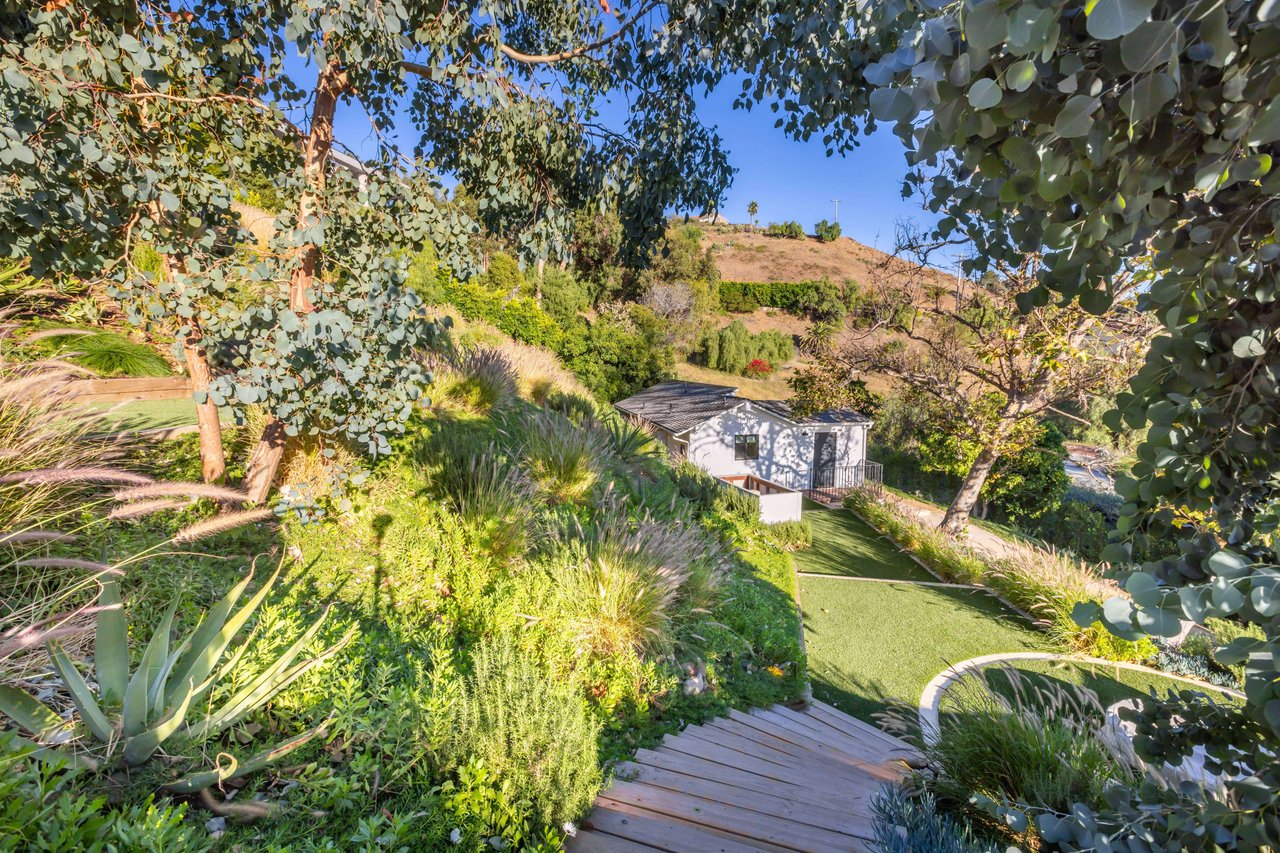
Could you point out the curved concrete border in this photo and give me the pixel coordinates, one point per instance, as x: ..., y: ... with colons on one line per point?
x: 931, y: 697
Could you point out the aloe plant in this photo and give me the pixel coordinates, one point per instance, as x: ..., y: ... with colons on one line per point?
x: 130, y: 716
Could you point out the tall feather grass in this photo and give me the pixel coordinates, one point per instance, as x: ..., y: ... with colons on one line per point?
x: 564, y: 461
x: 628, y: 582
x: 1033, y: 745
x: 478, y: 380
x: 1046, y: 584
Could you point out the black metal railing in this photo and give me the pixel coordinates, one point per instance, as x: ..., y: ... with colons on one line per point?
x: 829, y: 484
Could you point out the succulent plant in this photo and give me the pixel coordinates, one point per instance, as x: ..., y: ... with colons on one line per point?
x: 130, y: 717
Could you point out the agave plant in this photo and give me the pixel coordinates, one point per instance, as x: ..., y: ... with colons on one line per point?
x: 129, y: 717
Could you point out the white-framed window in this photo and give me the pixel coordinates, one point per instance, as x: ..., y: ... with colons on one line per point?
x: 746, y: 446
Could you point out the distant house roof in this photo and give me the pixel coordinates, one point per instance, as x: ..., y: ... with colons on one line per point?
x: 679, y: 406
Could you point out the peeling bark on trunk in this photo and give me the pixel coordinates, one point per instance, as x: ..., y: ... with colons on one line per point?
x: 213, y: 460
x: 265, y: 461
x: 315, y: 158
x: 953, y: 523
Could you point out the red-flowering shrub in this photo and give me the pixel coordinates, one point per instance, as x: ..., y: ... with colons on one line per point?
x: 759, y: 367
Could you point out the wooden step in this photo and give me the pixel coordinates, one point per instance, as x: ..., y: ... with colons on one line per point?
x: 854, y: 821
x: 786, y: 834
x: 640, y: 826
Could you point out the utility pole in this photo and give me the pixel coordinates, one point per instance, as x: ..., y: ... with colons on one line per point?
x: 836, y: 202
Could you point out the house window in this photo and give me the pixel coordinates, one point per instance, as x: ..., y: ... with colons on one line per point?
x: 746, y: 447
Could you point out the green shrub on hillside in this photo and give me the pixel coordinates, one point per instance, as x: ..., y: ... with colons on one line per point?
x: 618, y: 356
x: 563, y: 295
x: 733, y: 348
x: 532, y: 732
x: 821, y: 300
x: 790, y: 229
x: 826, y: 231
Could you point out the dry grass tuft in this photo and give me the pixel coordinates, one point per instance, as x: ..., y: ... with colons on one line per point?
x: 222, y: 523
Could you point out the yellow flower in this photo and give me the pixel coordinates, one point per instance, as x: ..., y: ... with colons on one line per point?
x: 775, y: 670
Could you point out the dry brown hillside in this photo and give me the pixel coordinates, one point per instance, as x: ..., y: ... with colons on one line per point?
x: 751, y: 256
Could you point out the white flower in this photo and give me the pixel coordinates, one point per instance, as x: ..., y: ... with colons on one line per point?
x: 455, y: 837
x: 569, y: 829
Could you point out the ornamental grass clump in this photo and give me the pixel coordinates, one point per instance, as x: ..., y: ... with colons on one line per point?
x: 478, y: 380
x: 534, y: 733
x: 627, y: 583
x: 1049, y: 584
x: 564, y: 461
x: 483, y: 485
x: 1005, y: 755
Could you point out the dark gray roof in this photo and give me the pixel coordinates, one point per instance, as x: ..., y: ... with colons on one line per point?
x: 677, y: 406
x: 782, y: 409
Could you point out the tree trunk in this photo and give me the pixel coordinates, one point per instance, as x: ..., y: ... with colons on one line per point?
x: 953, y: 523
x: 265, y: 461
x: 315, y: 158
x: 213, y: 460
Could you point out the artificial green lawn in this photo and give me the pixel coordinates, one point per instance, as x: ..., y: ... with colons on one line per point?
x: 872, y: 643
x: 1112, y: 684
x: 844, y: 544
x: 151, y: 414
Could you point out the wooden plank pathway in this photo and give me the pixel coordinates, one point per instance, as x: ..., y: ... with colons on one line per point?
x: 773, y: 779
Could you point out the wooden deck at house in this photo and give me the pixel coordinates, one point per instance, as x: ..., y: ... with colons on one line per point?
x: 770, y: 780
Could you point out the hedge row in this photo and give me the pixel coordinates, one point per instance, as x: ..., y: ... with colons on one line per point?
x: 793, y: 296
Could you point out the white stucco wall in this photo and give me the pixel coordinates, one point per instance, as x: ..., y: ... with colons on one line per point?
x: 785, y: 506
x: 786, y: 451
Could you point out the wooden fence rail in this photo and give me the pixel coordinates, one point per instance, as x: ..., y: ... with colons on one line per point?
x: 127, y: 389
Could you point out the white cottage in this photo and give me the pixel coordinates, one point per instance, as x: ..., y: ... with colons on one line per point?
x: 748, y: 441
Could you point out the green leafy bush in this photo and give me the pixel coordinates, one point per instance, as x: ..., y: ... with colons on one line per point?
x: 44, y: 811
x: 826, y: 231
x: 790, y: 229
x: 821, y: 299
x: 616, y: 356
x: 534, y: 733
x: 563, y: 296
x: 733, y: 349
x: 791, y: 535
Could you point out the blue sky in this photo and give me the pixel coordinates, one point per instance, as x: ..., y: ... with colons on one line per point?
x: 789, y: 179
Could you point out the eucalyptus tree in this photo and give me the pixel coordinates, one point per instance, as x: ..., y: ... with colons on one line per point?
x: 1090, y: 132
x: 128, y: 122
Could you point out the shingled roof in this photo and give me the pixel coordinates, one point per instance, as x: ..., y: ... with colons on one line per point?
x: 679, y: 406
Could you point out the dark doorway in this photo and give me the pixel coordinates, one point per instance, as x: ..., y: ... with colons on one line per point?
x: 824, y: 460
